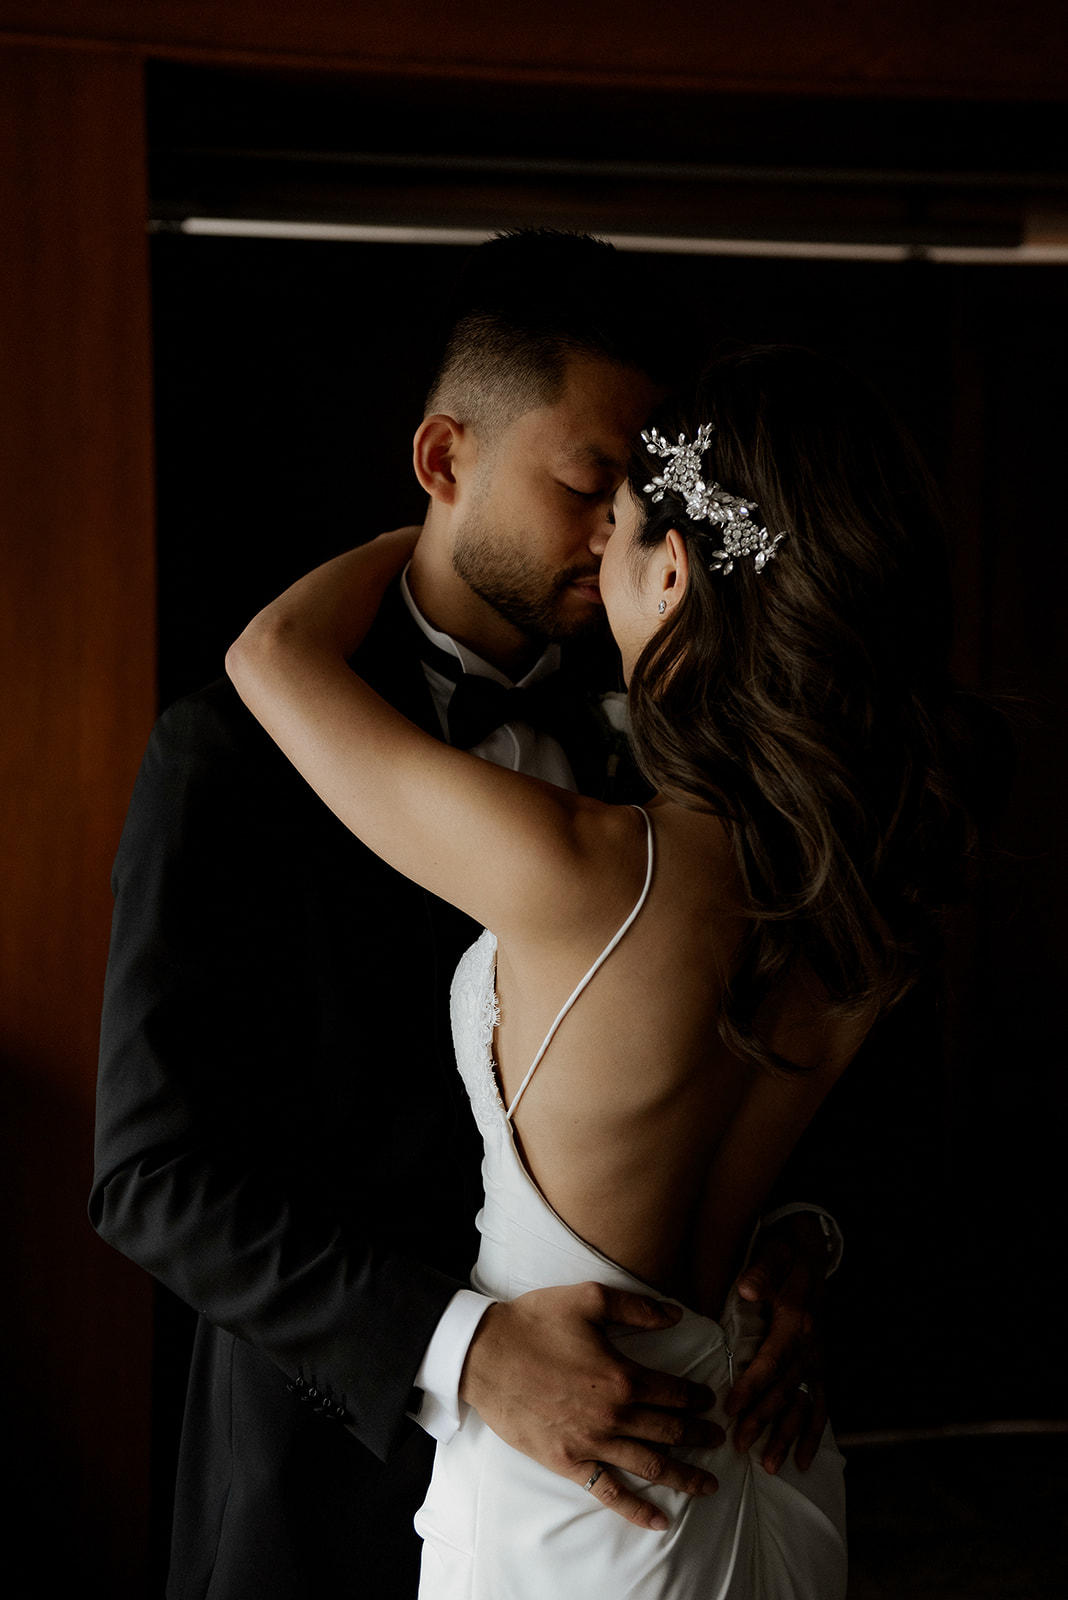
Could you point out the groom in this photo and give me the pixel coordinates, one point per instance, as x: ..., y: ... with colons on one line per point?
x: 282, y: 1137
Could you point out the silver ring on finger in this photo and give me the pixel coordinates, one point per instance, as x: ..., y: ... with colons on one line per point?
x: 803, y: 1388
x: 598, y: 1468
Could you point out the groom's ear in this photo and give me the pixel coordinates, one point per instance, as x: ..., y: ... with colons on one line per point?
x: 439, y: 454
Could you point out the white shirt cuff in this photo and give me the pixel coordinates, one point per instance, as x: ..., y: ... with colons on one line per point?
x: 831, y: 1231
x: 443, y: 1359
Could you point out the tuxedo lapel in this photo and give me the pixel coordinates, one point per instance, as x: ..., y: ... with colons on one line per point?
x: 390, y: 660
x: 585, y: 738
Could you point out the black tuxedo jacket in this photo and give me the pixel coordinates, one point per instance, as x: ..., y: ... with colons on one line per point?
x: 283, y: 1140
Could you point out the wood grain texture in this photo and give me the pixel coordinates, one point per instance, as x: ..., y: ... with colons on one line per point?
x: 77, y: 658
x: 988, y: 48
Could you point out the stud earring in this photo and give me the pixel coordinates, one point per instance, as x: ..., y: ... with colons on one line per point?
x: 662, y: 607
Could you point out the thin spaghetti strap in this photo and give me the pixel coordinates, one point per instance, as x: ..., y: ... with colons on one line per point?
x: 597, y: 965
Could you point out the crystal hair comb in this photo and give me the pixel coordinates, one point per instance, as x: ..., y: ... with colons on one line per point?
x: 709, y: 502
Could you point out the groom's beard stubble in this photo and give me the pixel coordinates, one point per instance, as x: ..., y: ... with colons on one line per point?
x: 531, y: 596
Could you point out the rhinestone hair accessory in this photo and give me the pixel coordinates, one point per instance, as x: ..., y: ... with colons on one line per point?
x: 709, y: 502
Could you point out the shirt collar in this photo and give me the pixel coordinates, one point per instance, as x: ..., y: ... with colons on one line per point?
x: 548, y: 662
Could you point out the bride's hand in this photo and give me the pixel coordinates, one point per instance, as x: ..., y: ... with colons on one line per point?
x: 319, y: 620
x: 782, y: 1389
x: 543, y: 1375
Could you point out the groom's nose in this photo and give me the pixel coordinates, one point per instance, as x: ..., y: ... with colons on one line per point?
x: 598, y: 539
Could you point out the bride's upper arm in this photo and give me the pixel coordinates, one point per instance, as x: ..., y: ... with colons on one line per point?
x: 497, y: 844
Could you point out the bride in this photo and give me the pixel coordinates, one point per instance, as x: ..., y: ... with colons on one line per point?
x: 668, y: 993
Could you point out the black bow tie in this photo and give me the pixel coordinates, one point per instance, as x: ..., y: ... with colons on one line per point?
x: 558, y: 705
x: 478, y: 706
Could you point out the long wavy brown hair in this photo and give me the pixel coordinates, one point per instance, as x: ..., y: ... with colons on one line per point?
x: 810, y: 704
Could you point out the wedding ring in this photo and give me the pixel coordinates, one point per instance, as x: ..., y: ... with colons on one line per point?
x: 592, y: 1479
x: 802, y: 1388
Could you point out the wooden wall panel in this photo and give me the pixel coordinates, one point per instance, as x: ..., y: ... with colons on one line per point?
x: 77, y: 660
x: 989, y: 47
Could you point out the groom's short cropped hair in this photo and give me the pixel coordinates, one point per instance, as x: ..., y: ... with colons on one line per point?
x: 529, y: 301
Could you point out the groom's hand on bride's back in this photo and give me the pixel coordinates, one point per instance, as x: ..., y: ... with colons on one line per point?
x: 542, y: 1373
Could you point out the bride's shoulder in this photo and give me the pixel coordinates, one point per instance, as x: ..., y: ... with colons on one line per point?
x: 696, y: 848
x: 605, y: 835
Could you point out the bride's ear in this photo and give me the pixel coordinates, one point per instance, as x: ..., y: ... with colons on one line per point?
x: 439, y: 451
x: 673, y: 571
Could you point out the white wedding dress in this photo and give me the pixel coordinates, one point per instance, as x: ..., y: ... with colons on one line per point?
x: 496, y: 1525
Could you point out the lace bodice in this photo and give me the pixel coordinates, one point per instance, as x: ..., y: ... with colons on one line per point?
x: 475, y: 1015
x: 476, y: 1012
x: 523, y: 1239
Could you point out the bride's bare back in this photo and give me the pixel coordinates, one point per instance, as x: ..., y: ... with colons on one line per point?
x: 649, y: 1138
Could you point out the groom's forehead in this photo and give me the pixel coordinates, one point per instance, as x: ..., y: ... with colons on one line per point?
x: 592, y: 422
x: 587, y: 453
x: 593, y: 447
